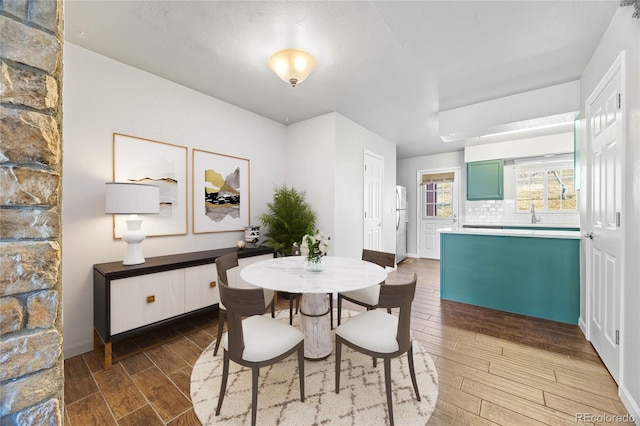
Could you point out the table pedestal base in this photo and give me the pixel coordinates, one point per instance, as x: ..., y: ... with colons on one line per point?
x: 315, y: 325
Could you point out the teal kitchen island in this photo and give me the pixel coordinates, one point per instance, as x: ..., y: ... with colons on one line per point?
x: 528, y: 272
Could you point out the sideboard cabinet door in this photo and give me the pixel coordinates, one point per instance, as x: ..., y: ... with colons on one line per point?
x: 201, y: 287
x: 145, y: 299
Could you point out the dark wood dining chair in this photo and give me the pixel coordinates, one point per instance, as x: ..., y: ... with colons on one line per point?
x: 253, y: 340
x: 223, y: 265
x: 367, y: 297
x: 382, y: 335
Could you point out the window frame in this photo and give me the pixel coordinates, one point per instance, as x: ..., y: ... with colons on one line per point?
x: 435, y: 204
x: 562, y: 162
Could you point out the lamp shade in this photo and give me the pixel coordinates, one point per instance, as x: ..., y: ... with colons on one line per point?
x: 292, y: 66
x: 131, y: 198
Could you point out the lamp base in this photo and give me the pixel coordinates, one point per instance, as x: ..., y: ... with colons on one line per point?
x: 133, y: 237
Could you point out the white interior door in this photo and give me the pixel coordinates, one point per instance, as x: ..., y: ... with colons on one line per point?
x: 604, y: 206
x: 373, y: 185
x: 438, y: 208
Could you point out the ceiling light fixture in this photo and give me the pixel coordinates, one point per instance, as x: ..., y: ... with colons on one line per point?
x: 292, y: 66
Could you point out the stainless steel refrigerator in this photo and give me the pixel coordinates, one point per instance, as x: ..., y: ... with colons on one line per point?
x: 401, y: 223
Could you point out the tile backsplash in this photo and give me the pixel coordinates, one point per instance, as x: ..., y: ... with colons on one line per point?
x: 504, y: 212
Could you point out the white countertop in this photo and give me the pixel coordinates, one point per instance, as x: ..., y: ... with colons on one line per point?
x: 575, y: 235
x: 523, y: 225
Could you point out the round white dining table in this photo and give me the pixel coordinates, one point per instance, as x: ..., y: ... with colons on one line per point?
x: 338, y: 274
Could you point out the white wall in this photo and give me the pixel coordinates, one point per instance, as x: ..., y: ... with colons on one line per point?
x: 406, y: 173
x: 624, y: 34
x: 310, y: 167
x: 351, y: 141
x: 325, y: 158
x: 102, y: 96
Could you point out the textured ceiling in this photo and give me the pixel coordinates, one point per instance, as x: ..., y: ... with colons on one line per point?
x: 387, y: 65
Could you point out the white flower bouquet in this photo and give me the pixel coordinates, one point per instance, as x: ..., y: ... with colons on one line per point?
x: 314, y: 246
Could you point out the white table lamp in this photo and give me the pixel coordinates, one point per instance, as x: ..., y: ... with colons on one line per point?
x: 132, y: 199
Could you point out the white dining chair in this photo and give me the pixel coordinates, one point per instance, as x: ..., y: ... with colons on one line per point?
x: 382, y: 335
x: 254, y: 340
x: 367, y: 297
x: 223, y: 265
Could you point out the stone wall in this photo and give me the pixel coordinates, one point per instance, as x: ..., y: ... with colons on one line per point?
x: 31, y: 364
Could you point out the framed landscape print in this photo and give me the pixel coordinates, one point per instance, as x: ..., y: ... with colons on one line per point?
x: 220, y: 192
x: 137, y: 160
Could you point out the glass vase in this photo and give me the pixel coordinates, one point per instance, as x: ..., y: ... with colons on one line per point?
x: 313, y: 264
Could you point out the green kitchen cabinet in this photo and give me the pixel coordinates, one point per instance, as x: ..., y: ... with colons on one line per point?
x: 485, y: 180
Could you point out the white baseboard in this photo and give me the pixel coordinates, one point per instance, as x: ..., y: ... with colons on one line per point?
x: 632, y: 406
x: 583, y: 327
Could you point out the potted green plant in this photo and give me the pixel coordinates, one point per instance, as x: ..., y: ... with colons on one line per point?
x: 287, y: 219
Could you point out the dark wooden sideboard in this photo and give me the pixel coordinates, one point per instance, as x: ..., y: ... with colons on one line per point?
x: 132, y: 300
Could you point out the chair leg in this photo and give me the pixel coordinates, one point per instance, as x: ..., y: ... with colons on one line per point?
x: 338, y: 359
x: 387, y: 385
x: 222, y: 316
x: 223, y: 384
x: 301, y: 370
x: 339, y: 309
x: 412, y: 371
x: 273, y: 308
x: 255, y: 371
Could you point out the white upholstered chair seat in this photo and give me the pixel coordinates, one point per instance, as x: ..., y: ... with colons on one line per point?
x: 368, y: 295
x: 373, y: 330
x: 265, y: 338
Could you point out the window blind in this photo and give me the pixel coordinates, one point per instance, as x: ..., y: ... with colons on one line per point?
x: 437, y: 177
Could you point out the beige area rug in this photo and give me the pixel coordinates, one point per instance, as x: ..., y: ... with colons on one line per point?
x: 361, y: 401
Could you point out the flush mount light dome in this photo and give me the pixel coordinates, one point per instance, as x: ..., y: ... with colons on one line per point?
x: 292, y: 66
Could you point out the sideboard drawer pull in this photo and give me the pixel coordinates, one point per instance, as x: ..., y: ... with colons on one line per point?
x: 151, y: 299
x: 212, y: 284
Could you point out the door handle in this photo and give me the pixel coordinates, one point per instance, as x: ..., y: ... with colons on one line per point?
x: 589, y: 235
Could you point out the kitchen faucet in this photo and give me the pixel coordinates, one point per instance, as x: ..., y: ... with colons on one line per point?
x: 534, y: 219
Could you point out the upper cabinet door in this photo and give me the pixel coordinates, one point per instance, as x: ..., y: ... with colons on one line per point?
x: 485, y: 180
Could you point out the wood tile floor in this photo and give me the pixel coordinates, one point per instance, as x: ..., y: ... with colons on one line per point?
x: 493, y: 367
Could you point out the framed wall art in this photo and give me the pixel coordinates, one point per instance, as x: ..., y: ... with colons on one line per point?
x: 220, y: 192
x: 139, y: 160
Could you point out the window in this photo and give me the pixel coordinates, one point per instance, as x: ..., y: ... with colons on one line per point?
x: 547, y: 185
x: 437, y: 191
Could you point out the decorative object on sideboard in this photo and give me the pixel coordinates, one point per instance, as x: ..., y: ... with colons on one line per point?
x: 132, y: 199
x: 241, y: 244
x: 251, y: 235
x: 292, y: 66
